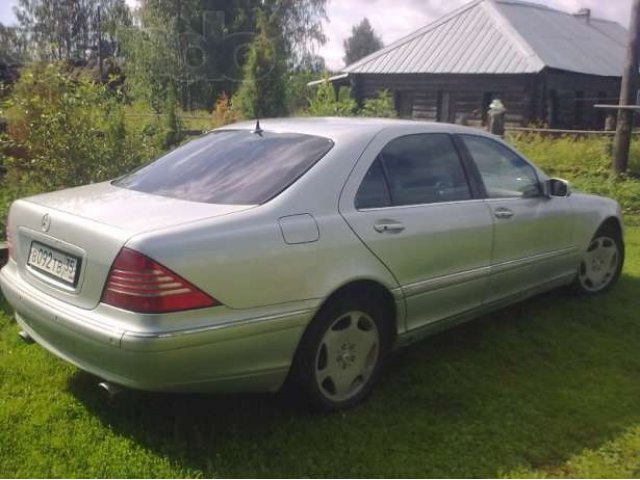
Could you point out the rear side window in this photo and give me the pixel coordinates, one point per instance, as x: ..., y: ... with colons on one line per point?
x: 231, y: 167
x: 374, y: 191
x: 414, y: 170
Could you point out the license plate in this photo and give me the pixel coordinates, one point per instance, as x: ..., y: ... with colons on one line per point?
x: 54, y: 263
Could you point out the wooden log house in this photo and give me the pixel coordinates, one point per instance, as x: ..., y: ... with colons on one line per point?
x: 548, y: 67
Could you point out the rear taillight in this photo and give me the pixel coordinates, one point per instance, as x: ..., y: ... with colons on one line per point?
x: 140, y: 284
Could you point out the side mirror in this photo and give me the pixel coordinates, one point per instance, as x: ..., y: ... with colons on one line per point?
x: 557, y: 187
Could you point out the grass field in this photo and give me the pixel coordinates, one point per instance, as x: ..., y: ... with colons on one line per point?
x: 548, y: 387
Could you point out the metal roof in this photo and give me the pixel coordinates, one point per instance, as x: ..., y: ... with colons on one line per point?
x: 504, y: 37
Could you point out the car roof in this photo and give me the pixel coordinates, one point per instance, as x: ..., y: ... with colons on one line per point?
x: 341, y: 128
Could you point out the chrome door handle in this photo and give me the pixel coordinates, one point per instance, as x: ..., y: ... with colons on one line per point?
x: 388, y: 227
x: 503, y: 213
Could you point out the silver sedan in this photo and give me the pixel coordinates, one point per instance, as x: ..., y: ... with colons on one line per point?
x: 305, y: 249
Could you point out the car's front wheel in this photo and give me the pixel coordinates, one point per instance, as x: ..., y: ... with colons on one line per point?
x: 342, y: 352
x: 601, y: 264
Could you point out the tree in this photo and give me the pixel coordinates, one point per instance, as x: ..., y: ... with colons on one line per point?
x: 56, y: 29
x: 12, y: 47
x: 301, y: 22
x: 115, y: 19
x: 70, y: 29
x: 363, y: 41
x: 263, y: 90
x: 203, y: 46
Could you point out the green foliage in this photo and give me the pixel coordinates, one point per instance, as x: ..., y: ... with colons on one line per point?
x: 204, y: 47
x: 12, y: 46
x: 224, y: 112
x: 324, y: 102
x: 363, y: 41
x: 69, y: 30
x: 151, y: 60
x: 298, y: 92
x: 263, y: 91
x: 586, y: 163
x: 381, y: 107
x: 65, y: 131
x: 172, y: 122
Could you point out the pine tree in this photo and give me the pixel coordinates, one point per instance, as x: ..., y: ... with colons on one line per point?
x: 363, y: 41
x: 263, y: 90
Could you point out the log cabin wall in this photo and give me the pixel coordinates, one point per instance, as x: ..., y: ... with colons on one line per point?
x: 568, y: 99
x: 555, y: 99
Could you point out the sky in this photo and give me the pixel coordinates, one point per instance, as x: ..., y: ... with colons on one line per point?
x: 393, y: 19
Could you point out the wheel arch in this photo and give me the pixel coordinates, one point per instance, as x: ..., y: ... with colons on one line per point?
x: 378, y: 290
x: 613, y: 223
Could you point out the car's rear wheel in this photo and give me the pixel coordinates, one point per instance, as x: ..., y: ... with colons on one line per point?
x: 342, y: 352
x: 601, y: 264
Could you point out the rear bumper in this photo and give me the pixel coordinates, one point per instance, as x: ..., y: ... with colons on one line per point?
x: 253, y: 354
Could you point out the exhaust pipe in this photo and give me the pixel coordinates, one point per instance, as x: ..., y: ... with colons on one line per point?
x: 26, y: 338
x: 111, y: 390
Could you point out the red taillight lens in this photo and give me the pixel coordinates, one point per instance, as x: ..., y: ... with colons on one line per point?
x: 140, y: 284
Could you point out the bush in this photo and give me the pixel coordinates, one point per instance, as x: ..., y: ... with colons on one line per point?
x: 224, y: 112
x: 63, y: 132
x: 325, y: 103
x: 381, y: 107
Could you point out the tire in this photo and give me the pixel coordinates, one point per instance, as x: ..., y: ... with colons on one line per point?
x: 601, y: 265
x: 342, y: 352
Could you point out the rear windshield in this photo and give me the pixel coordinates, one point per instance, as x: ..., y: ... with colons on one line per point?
x: 232, y: 167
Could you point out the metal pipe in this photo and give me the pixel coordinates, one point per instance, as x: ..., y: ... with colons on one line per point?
x: 111, y: 390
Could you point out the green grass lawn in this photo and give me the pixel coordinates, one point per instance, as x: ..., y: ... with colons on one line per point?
x: 548, y: 387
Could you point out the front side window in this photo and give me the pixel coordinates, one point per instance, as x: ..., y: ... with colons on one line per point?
x: 234, y: 167
x: 505, y: 174
x: 414, y: 170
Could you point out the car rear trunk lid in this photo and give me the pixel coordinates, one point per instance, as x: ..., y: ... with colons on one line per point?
x: 90, y: 225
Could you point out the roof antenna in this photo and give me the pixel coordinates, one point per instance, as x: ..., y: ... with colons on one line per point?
x: 258, y: 130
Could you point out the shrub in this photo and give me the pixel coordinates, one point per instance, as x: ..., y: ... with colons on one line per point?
x: 63, y: 132
x: 224, y: 111
x: 324, y: 103
x: 382, y: 106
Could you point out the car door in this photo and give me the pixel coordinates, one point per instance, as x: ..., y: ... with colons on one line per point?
x: 410, y: 201
x: 533, y: 232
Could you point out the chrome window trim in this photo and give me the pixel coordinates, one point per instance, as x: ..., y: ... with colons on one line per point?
x: 420, y: 205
